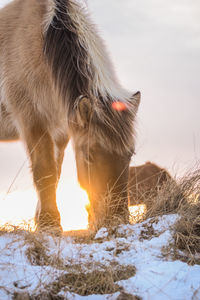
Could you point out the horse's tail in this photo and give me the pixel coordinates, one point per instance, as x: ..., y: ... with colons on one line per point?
x: 65, y: 52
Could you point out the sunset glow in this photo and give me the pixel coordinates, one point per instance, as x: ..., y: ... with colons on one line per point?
x: 72, y: 201
x: 18, y: 207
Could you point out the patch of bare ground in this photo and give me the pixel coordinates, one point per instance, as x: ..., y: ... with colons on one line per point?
x: 87, y: 283
x: 84, y: 236
x: 37, y: 252
x: 126, y: 296
x: 147, y: 232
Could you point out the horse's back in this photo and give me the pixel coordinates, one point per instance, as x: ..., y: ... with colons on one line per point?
x: 145, y: 181
x: 21, y: 36
x: 9, y: 17
x: 25, y: 83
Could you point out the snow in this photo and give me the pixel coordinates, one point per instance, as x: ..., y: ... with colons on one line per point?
x: 102, y: 233
x: 16, y: 273
x: 140, y: 245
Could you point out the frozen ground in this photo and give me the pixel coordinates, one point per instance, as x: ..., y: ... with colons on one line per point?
x: 29, y: 265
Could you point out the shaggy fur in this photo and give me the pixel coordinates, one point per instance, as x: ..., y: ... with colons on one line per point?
x: 57, y: 83
x: 79, y: 67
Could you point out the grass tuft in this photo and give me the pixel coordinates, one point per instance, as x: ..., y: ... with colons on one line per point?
x: 175, y: 196
x: 94, y: 282
x: 187, y: 231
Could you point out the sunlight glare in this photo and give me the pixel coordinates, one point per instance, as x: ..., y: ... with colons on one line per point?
x: 18, y: 207
x: 72, y: 201
x: 136, y: 212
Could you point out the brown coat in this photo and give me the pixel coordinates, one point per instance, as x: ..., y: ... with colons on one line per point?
x: 57, y: 82
x: 145, y: 181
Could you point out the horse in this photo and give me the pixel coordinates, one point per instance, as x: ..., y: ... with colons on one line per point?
x: 57, y: 83
x: 145, y: 181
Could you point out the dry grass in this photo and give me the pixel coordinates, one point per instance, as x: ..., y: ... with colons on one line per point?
x: 86, y: 279
x: 37, y: 244
x: 187, y: 231
x: 125, y: 296
x: 37, y: 252
x: 89, y: 283
x: 111, y: 210
x: 24, y: 226
x: 181, y: 197
x: 174, y: 196
x: 84, y: 236
x: 75, y: 278
x: 168, y: 200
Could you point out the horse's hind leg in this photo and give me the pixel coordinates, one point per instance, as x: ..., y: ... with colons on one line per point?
x: 41, y: 150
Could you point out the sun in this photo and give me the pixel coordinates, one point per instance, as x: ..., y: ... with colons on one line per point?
x: 72, y: 201
x: 18, y: 207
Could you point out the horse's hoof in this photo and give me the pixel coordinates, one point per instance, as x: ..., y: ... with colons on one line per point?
x: 49, y: 223
x: 51, y: 230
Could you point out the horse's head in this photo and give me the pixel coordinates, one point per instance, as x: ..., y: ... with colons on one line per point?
x: 104, y: 143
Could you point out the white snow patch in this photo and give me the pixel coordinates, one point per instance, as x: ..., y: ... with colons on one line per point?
x: 101, y: 234
x: 156, y: 276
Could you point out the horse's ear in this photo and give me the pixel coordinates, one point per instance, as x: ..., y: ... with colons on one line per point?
x: 135, y: 99
x: 84, y: 111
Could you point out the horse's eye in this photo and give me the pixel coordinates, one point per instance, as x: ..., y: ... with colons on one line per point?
x: 128, y: 155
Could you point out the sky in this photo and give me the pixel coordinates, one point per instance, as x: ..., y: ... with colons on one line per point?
x: 155, y: 45
x: 155, y: 48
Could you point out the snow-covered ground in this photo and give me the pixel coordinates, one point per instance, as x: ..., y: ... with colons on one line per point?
x: 139, y: 246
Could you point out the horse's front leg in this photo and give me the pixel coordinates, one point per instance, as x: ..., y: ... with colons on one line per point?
x: 41, y: 150
x: 61, y: 144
